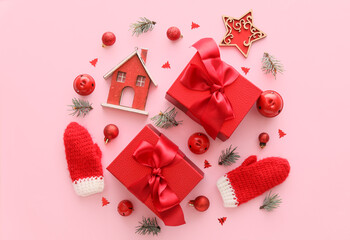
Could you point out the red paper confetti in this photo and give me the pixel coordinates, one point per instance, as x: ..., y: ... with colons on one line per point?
x: 194, y: 25
x: 166, y: 65
x: 222, y: 220
x: 281, y: 133
x: 207, y: 164
x: 245, y: 70
x: 93, y: 62
x: 104, y: 201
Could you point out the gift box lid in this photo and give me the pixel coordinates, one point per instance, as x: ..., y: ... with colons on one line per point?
x: 241, y: 93
x: 182, y: 176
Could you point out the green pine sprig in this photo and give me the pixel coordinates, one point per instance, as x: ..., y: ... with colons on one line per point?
x: 80, y: 107
x: 166, y: 119
x: 141, y: 26
x: 228, y: 156
x: 271, y: 65
x: 271, y: 202
x: 148, y: 226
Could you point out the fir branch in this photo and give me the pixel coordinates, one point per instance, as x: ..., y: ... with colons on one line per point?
x: 80, y: 107
x: 148, y: 226
x: 228, y: 156
x: 141, y: 26
x: 271, y: 65
x: 271, y: 202
x: 166, y: 119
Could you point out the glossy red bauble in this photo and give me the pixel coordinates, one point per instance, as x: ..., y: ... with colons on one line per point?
x: 198, y: 143
x: 125, y: 208
x: 84, y: 84
x: 108, y: 39
x: 263, y: 139
x: 270, y: 103
x: 201, y: 203
x: 110, y: 131
x: 173, y: 33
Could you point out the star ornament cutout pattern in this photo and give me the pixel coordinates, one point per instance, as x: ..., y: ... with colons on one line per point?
x: 241, y: 33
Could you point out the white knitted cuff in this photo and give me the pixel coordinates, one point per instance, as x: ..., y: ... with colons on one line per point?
x: 87, y: 186
x: 227, y: 192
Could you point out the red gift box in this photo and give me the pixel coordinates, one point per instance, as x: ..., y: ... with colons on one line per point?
x: 241, y: 93
x: 134, y: 168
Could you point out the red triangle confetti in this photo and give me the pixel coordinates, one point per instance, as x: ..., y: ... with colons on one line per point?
x: 281, y: 133
x: 207, y: 164
x: 93, y: 62
x: 222, y: 220
x: 245, y: 70
x: 166, y: 65
x: 104, y: 201
x: 194, y: 25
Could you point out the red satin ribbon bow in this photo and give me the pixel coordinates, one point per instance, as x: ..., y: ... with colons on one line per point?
x: 166, y: 202
x: 216, y: 108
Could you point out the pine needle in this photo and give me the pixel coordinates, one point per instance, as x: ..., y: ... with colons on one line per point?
x: 271, y: 65
x: 141, y: 26
x: 148, y: 226
x: 271, y: 202
x: 80, y: 107
x: 166, y: 119
x: 228, y: 156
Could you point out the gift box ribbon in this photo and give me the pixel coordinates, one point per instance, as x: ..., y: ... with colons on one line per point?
x: 157, y: 157
x: 215, y: 108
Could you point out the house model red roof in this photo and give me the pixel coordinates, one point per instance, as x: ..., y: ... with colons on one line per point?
x: 131, y: 74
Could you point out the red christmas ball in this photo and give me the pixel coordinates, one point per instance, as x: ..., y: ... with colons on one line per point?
x: 270, y: 103
x: 125, y: 208
x: 108, y: 39
x: 198, y: 143
x: 201, y: 203
x: 110, y: 131
x: 84, y: 84
x: 263, y: 139
x: 173, y: 33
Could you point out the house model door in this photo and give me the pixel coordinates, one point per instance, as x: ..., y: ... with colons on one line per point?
x: 127, y: 97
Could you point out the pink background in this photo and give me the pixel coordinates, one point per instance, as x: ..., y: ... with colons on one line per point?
x: 44, y: 46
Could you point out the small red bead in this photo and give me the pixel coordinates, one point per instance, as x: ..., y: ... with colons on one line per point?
x: 263, y: 139
x: 201, y: 203
x: 108, y: 38
x: 173, y: 33
x: 111, y: 131
x: 125, y: 208
x: 198, y: 143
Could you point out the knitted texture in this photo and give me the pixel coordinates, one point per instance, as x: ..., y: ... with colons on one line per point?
x: 84, y: 160
x: 252, y: 179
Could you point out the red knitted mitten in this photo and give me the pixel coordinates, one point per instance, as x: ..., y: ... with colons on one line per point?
x: 252, y: 179
x: 84, y: 160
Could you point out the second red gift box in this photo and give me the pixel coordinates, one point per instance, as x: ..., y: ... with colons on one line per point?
x: 212, y: 92
x: 157, y: 173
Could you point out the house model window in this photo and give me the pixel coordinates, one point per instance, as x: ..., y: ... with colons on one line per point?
x: 121, y: 77
x: 140, y: 81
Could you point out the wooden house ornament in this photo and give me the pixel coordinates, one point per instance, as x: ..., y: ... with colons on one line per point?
x: 130, y: 75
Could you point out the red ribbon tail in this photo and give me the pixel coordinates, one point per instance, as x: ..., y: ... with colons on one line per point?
x: 173, y: 216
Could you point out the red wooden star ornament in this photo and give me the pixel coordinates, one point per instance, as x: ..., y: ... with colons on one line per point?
x: 241, y: 33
